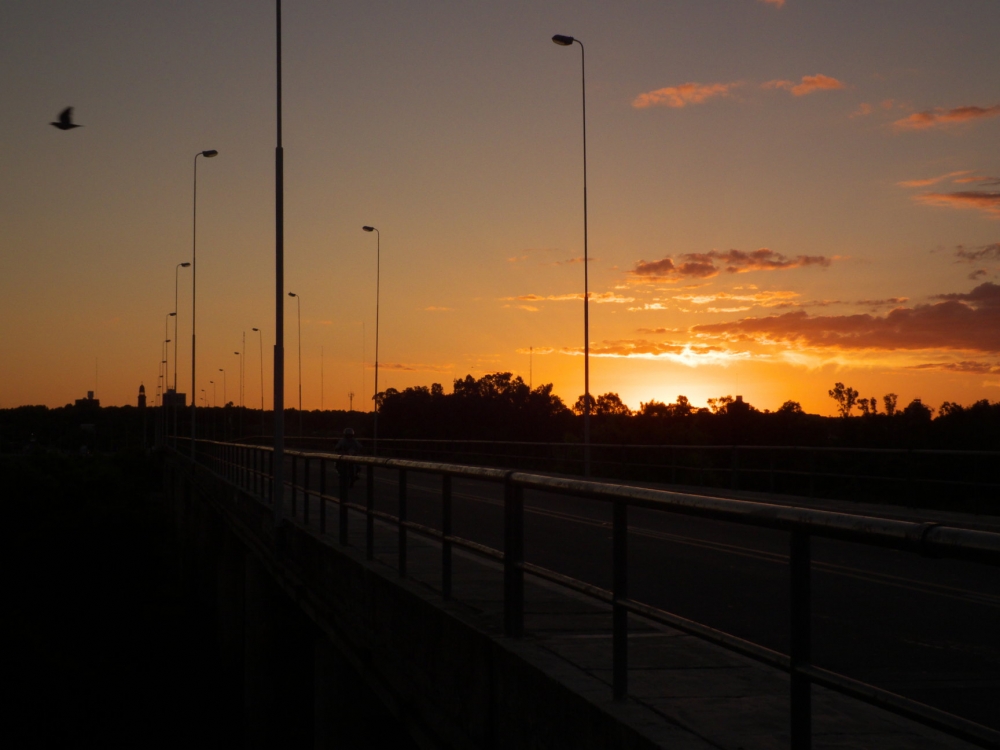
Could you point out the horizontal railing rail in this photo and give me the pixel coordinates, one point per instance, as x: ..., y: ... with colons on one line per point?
x: 250, y: 468
x: 878, y: 474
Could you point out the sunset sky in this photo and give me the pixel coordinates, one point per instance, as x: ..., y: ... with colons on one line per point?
x: 783, y: 194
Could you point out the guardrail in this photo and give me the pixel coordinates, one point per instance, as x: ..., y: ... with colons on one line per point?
x: 250, y: 469
x: 971, y: 478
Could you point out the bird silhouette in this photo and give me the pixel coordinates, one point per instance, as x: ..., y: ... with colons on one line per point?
x: 65, y: 121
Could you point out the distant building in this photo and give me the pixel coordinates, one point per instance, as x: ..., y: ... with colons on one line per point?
x: 173, y: 398
x: 142, y: 396
x: 89, y: 402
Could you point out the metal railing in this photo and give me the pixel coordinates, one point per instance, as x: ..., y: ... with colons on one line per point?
x: 249, y: 468
x: 972, y: 478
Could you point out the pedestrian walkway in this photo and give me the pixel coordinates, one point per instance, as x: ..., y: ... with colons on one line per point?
x: 683, y: 692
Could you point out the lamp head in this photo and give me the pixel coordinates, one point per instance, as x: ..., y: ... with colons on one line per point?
x: 562, y: 40
x: 210, y: 153
x: 221, y: 370
x: 184, y: 265
x: 236, y: 353
x: 256, y: 329
x: 292, y: 294
x: 170, y: 315
x: 369, y: 229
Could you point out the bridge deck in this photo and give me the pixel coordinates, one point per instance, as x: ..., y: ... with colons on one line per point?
x: 684, y: 692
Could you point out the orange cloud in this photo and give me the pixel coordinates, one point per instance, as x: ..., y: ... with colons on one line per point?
x: 933, y: 180
x: 683, y: 95
x: 987, y: 202
x: 977, y: 254
x: 882, y: 302
x: 703, y: 265
x: 406, y: 367
x: 688, y: 354
x: 808, y: 85
x: 968, y: 321
x: 940, y: 117
x: 763, y: 299
x: 775, y: 3
x: 974, y: 367
x: 862, y: 111
x: 601, y: 298
x: 432, y: 308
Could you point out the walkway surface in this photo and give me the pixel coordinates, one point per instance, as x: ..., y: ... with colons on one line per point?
x: 683, y: 692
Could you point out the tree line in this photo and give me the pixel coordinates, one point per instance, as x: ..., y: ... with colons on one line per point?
x: 501, y: 406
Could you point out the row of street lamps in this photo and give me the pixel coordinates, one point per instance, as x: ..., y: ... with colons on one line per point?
x: 279, y: 357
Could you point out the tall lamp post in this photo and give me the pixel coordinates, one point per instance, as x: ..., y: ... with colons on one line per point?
x: 298, y: 304
x: 566, y: 41
x: 176, y: 316
x: 240, y: 355
x: 225, y: 402
x: 194, y: 278
x: 166, y: 351
x: 378, y: 265
x: 260, y: 338
x: 278, y: 475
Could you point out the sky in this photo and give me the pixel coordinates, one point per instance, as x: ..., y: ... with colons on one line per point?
x: 781, y: 195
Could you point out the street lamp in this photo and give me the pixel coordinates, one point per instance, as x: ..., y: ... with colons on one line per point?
x: 176, y: 316
x: 194, y: 271
x: 278, y: 456
x: 378, y: 267
x: 260, y: 338
x: 566, y: 41
x: 166, y: 352
x: 298, y: 302
x: 240, y: 355
x: 215, y: 394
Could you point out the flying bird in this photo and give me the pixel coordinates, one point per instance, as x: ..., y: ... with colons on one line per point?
x: 65, y: 121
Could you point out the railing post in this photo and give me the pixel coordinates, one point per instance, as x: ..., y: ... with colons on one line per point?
x: 619, y: 616
x: 344, y: 470
x: 812, y: 473
x: 402, y: 522
x: 369, y: 508
x: 735, y: 479
x: 513, y: 557
x: 295, y: 476
x: 446, y: 532
x: 305, y: 492
x: 322, y: 496
x: 801, y: 688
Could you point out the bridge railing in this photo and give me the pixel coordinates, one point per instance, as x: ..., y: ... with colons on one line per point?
x: 250, y: 468
x: 970, y: 480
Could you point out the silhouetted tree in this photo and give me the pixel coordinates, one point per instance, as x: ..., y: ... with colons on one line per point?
x: 845, y: 397
x: 917, y: 411
x: 889, y: 400
x: 719, y: 404
x: 790, y: 407
x: 869, y: 406
x: 610, y: 404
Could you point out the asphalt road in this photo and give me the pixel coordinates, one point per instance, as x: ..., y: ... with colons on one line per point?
x: 925, y: 628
